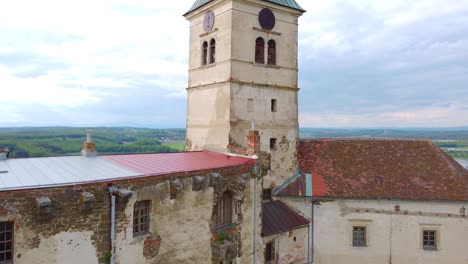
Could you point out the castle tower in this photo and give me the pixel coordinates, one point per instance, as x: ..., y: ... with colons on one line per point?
x: 242, y: 68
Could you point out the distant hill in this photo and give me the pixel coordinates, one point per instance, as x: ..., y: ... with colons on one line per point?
x: 428, y: 133
x: 58, y: 141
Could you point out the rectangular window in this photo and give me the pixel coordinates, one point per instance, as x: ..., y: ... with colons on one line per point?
x: 141, y: 218
x: 272, y: 143
x: 270, y: 253
x: 359, y: 236
x: 273, y: 105
x: 429, y: 239
x: 250, y: 105
x: 266, y: 195
x: 6, y: 242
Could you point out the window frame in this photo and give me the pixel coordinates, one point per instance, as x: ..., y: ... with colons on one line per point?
x: 273, y: 143
x: 204, y: 53
x: 260, y: 50
x: 250, y: 105
x: 224, y: 210
x: 274, y: 105
x: 270, y: 252
x: 142, y: 228
x: 434, y: 239
x: 271, y: 52
x: 3, y: 234
x: 362, y: 242
x: 212, y: 51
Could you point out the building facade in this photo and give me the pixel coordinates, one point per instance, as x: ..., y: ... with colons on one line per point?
x: 243, y: 68
x: 380, y: 201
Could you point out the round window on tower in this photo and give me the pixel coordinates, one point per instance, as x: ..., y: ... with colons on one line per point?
x: 266, y: 18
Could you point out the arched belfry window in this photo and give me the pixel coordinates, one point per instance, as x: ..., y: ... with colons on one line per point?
x: 212, y: 51
x: 272, y: 52
x: 205, y: 53
x: 260, y: 50
x: 224, y: 210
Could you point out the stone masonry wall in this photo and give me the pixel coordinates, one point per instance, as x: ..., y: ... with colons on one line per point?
x: 72, y: 224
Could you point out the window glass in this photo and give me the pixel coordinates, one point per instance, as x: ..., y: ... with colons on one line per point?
x: 141, y: 218
x: 359, y: 236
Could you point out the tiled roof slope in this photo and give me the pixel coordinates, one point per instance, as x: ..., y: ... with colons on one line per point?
x: 378, y: 168
x: 279, y: 218
x: 287, y: 3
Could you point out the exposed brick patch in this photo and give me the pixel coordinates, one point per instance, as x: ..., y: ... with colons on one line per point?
x: 151, y: 246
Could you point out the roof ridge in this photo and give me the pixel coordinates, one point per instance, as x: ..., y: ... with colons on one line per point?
x: 367, y: 139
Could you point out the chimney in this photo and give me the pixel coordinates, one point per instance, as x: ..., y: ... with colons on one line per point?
x: 253, y: 141
x: 89, y: 148
x: 4, y: 154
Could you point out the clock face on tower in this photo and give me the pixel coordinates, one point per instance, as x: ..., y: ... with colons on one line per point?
x: 209, y: 21
x: 266, y: 18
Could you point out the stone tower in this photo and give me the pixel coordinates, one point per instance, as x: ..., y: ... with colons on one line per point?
x: 243, y: 68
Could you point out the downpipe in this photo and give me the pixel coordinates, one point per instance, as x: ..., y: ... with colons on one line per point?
x: 255, y: 209
x: 112, y: 191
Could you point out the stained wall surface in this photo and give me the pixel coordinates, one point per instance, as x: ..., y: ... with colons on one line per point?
x: 394, y: 231
x: 182, y: 230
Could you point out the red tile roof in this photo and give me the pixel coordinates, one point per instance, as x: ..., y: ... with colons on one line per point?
x: 378, y: 168
x: 166, y: 163
x: 279, y: 218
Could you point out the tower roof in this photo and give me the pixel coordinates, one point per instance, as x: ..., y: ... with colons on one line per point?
x: 287, y: 3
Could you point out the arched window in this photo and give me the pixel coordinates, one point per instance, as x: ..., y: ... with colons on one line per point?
x: 271, y: 52
x: 260, y: 51
x: 212, y: 51
x: 205, y: 53
x: 224, y: 210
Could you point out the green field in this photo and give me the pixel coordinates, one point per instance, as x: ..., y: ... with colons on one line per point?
x: 59, y: 141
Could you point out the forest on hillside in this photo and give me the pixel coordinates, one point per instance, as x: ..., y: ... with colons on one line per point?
x: 60, y: 141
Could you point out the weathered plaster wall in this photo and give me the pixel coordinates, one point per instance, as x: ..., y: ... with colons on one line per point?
x: 290, y: 247
x: 208, y: 118
x: 217, y: 116
x: 393, y: 236
x: 181, y: 229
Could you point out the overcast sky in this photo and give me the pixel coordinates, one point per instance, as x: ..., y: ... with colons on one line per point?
x: 363, y: 63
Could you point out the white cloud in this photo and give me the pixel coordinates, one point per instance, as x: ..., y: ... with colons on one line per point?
x: 355, y: 55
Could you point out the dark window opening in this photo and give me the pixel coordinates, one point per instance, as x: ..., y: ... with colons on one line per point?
x: 260, y: 50
x: 224, y: 210
x: 430, y: 239
x: 272, y: 143
x: 294, y: 239
x: 274, y: 106
x: 6, y: 242
x: 212, y: 51
x: 141, y: 218
x: 205, y: 53
x: 270, y: 253
x: 359, y: 236
x: 271, y: 52
x: 266, y: 195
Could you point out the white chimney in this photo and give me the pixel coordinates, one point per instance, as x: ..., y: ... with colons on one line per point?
x: 89, y: 148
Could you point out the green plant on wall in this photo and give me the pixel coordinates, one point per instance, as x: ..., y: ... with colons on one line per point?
x: 221, y: 238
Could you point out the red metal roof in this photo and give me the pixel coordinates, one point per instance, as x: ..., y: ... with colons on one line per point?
x: 166, y: 163
x: 279, y: 218
x: 377, y: 168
